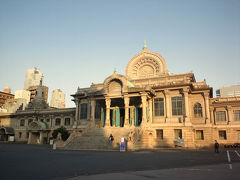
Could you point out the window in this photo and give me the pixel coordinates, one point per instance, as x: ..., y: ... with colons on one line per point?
x: 27, y: 135
x: 159, y: 107
x: 159, y: 133
x: 67, y: 122
x: 48, y: 120
x: 198, y: 110
x: 236, y: 115
x: 41, y: 120
x: 220, y: 116
x: 83, y: 114
x: 177, y: 106
x: 178, y: 133
x: 222, y: 135
x: 29, y: 121
x: 199, y: 135
x: 22, y: 122
x: 57, y: 122
x: 20, y: 135
x: 97, y: 111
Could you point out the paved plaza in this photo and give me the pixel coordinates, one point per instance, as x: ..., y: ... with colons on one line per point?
x: 21, y: 161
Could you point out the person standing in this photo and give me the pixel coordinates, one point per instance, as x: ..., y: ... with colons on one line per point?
x: 216, y: 147
x: 111, y: 138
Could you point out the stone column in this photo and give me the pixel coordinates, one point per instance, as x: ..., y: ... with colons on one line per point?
x: 167, y: 105
x: 150, y: 111
x: 88, y: 110
x: 126, y: 102
x: 229, y: 114
x: 30, y: 137
x: 187, y: 118
x: 213, y: 115
x: 144, y: 102
x: 108, y: 104
x: 93, y: 105
x: 41, y: 137
x: 206, y: 100
x: 76, y: 113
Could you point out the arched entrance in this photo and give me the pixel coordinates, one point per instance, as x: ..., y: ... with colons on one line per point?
x: 5, y: 133
x: 38, y: 133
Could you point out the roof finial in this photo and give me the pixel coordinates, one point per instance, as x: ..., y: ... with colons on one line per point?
x: 115, y: 71
x: 145, y: 44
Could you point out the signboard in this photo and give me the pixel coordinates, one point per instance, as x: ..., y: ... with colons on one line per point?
x: 123, y: 145
x: 179, y: 142
x: 11, y: 138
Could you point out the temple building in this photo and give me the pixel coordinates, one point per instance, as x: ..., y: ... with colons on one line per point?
x: 36, y: 122
x: 154, y: 108
x: 148, y: 106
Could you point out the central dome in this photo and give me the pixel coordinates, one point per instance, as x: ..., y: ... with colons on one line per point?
x: 146, y: 64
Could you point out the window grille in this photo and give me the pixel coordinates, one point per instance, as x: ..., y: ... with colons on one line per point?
x: 220, y: 116
x: 159, y: 107
x: 198, y: 110
x: 177, y: 106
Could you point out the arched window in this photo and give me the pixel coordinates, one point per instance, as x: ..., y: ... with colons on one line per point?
x: 198, y: 110
x: 115, y: 87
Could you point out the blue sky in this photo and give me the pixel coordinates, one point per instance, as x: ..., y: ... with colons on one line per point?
x: 77, y: 42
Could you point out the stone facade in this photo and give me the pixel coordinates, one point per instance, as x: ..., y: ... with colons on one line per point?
x: 33, y: 89
x: 36, y: 123
x: 158, y: 108
x: 148, y: 106
x: 36, y: 126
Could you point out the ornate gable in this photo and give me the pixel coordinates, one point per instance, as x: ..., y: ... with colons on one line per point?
x: 146, y: 64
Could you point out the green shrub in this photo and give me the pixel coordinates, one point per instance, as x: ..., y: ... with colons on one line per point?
x: 63, y: 131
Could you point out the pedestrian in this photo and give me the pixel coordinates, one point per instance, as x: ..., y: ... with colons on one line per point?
x: 216, y: 146
x: 111, y: 138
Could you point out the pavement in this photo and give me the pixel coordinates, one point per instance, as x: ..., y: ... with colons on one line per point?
x: 213, y: 172
x: 22, y: 161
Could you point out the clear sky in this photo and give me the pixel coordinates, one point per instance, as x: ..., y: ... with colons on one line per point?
x: 77, y: 42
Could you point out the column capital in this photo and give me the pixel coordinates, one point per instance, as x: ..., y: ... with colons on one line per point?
x: 166, y: 92
x: 126, y: 100
x: 228, y: 107
x: 108, y: 102
x: 184, y: 91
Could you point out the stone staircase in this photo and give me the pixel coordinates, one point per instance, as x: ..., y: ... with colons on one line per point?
x: 97, y: 138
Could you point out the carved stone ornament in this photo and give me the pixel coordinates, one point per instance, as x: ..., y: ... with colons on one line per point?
x: 146, y: 64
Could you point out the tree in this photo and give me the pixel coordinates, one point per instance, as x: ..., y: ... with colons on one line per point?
x: 63, y: 131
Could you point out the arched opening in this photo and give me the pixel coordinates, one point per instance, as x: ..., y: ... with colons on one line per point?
x: 3, y: 136
x: 198, y: 110
x: 115, y: 87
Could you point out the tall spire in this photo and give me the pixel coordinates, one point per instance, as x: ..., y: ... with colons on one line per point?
x: 145, y: 44
x: 40, y: 84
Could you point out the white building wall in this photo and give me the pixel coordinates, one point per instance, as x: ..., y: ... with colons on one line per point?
x: 230, y: 91
x: 58, y: 99
x: 24, y: 94
x: 32, y: 78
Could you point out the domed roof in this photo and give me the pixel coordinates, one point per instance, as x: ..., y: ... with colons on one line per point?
x: 146, y: 64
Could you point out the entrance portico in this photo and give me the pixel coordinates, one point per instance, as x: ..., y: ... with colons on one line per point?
x: 38, y: 133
